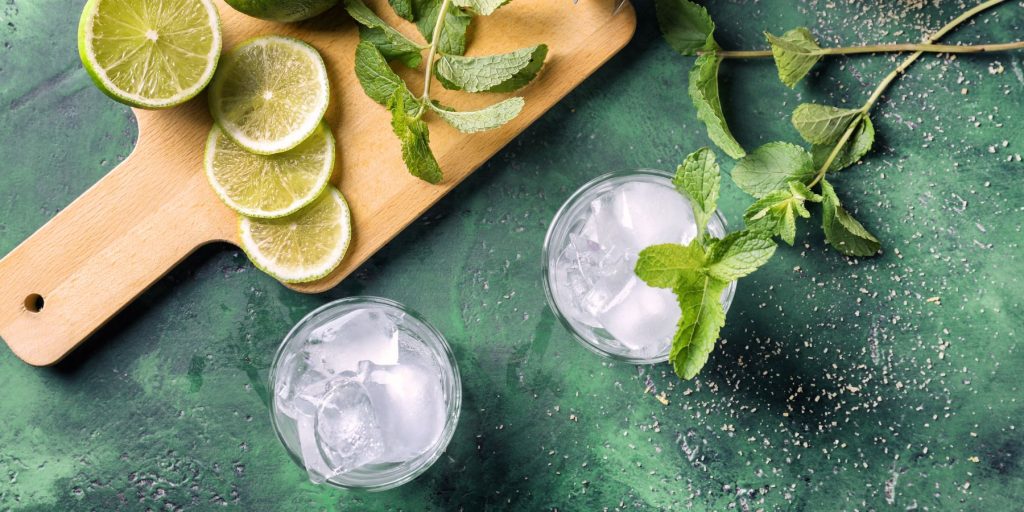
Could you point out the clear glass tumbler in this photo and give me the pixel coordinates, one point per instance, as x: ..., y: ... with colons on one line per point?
x: 590, y: 253
x: 366, y: 394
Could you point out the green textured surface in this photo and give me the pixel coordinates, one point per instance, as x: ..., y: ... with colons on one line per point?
x: 839, y: 388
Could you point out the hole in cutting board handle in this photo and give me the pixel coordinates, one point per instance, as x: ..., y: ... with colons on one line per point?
x: 34, y: 303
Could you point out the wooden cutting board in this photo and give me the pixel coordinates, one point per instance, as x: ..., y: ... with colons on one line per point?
x: 156, y: 208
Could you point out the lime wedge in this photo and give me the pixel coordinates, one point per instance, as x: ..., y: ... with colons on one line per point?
x: 304, y: 246
x: 270, y: 93
x: 150, y: 53
x: 269, y: 186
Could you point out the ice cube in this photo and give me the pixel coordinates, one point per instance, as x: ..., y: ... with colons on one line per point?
x: 363, y: 335
x: 409, y: 405
x: 605, y: 224
x: 610, y: 285
x: 293, y: 376
x: 651, y: 214
x: 411, y: 350
x: 312, y: 459
x: 343, y: 434
x: 644, y: 319
x: 589, y: 275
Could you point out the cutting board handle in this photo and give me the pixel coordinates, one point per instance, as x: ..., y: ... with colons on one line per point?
x: 102, y: 251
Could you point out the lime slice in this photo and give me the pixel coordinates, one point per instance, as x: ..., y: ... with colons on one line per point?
x: 304, y: 246
x: 269, y: 186
x: 150, y: 53
x: 270, y: 93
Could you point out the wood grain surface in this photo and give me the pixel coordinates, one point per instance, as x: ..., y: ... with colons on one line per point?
x: 156, y: 208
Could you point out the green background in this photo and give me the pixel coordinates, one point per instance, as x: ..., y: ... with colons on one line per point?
x: 838, y: 385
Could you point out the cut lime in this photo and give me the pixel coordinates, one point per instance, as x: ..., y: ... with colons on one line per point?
x: 269, y: 186
x: 270, y: 93
x: 150, y: 53
x: 282, y: 10
x: 304, y: 246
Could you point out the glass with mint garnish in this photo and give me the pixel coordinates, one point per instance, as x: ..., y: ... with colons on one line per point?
x: 591, y: 252
x: 639, y: 267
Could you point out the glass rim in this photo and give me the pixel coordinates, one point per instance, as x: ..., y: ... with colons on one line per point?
x: 414, y: 467
x: 545, y: 263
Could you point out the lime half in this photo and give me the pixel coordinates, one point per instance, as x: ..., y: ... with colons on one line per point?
x: 150, y: 53
x: 269, y: 186
x: 270, y: 94
x: 304, y: 246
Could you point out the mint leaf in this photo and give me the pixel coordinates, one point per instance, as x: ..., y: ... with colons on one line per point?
x: 775, y: 214
x: 686, y: 26
x: 379, y: 81
x: 854, y: 149
x: 738, y: 254
x: 415, y: 138
x: 795, y: 54
x: 703, y: 317
x: 771, y: 166
x: 481, y: 7
x: 822, y: 124
x: 703, y: 91
x: 699, y: 179
x: 804, y: 192
x: 481, y: 120
x: 390, y: 42
x: 663, y: 266
x: 493, y: 73
x: 843, y: 231
x: 409, y: 56
x: 453, y: 28
x: 403, y: 8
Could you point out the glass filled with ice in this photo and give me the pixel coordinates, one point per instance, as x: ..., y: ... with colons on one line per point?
x: 590, y: 254
x: 366, y: 394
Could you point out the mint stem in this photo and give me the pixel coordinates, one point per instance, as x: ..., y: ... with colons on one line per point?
x: 428, y: 73
x: 882, y: 48
x: 884, y: 84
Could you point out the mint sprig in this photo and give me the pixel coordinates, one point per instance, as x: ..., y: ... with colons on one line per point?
x: 445, y: 24
x: 782, y: 176
x: 700, y: 271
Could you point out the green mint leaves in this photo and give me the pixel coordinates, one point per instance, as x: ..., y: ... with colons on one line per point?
x: 699, y: 272
x: 481, y: 7
x: 781, y: 176
x: 852, y: 151
x: 481, y: 120
x: 699, y: 179
x: 702, y: 319
x: 662, y: 266
x: 738, y: 255
x: 493, y: 73
x: 842, y: 231
x: 795, y: 52
x: 771, y: 166
x: 703, y: 90
x: 822, y: 124
x: 776, y: 213
x: 381, y: 43
x: 379, y: 81
x: 390, y: 42
x: 403, y: 8
x: 415, y: 139
x: 452, y: 40
x: 689, y: 30
x: 686, y: 26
